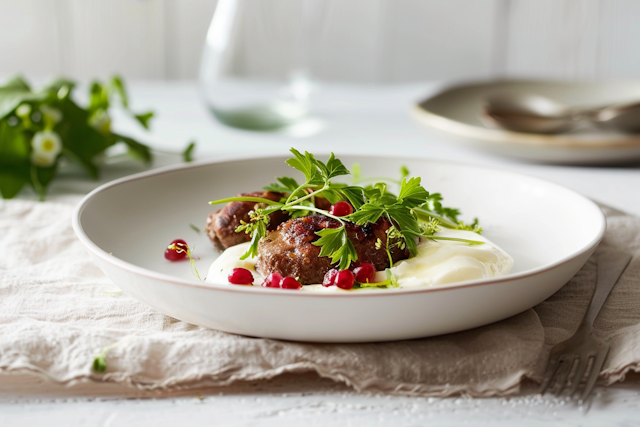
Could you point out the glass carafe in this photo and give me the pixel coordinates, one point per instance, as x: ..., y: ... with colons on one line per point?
x: 255, y: 70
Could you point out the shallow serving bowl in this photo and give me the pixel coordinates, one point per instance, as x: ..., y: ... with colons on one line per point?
x: 549, y: 230
x: 455, y: 113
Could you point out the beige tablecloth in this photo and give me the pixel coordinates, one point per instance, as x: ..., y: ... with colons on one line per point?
x: 55, y: 316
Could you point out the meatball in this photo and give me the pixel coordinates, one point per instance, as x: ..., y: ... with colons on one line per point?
x: 289, y: 250
x: 221, y: 225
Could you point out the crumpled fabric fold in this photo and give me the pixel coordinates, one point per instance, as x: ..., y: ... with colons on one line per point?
x: 56, y: 313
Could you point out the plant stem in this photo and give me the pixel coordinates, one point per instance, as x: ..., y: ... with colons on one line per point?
x: 37, y: 185
x: 245, y: 199
x: 386, y: 244
x: 455, y: 239
x: 296, y: 201
x: 194, y: 269
x: 308, y: 208
x: 294, y: 192
x: 425, y: 214
x: 389, y: 253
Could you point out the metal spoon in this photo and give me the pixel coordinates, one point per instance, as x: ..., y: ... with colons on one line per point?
x: 622, y: 117
x: 535, y: 113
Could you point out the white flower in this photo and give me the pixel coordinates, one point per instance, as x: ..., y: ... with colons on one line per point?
x: 101, y: 122
x: 50, y: 113
x: 46, y: 147
x: 24, y: 110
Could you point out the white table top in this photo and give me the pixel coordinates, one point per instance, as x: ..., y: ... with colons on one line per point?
x: 354, y: 121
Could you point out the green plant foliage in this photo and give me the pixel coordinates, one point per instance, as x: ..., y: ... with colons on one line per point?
x: 414, y: 213
x: 38, y: 128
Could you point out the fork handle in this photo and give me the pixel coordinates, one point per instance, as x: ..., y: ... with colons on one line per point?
x: 611, y: 265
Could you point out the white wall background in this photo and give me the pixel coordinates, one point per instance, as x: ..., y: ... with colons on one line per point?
x: 413, y: 39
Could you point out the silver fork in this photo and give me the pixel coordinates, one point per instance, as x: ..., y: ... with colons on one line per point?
x: 583, y: 346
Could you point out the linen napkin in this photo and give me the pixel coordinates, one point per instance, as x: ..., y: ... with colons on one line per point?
x: 56, y: 313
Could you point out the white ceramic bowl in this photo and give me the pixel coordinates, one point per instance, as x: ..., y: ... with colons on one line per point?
x: 549, y: 230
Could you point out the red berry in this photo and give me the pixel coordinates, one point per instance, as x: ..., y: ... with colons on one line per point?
x: 344, y: 279
x: 365, y: 273
x: 241, y: 276
x: 176, y: 251
x: 272, y: 280
x: 341, y: 209
x: 290, y: 283
x: 330, y: 278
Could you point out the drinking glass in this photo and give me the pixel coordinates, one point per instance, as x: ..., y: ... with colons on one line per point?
x: 265, y: 60
x: 254, y: 71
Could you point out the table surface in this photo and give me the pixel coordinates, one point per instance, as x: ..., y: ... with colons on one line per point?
x: 349, y: 121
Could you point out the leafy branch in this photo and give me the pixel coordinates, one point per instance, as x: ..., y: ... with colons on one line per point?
x: 37, y: 128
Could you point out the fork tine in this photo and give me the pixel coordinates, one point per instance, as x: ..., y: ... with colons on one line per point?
x: 577, y: 378
x: 552, y: 366
x: 563, y: 373
x: 595, y: 371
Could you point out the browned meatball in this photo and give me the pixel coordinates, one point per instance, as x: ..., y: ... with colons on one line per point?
x: 221, y: 225
x: 290, y: 252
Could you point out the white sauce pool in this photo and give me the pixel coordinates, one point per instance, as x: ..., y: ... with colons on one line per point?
x: 437, y: 263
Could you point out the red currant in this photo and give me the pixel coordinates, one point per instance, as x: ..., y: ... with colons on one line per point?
x: 330, y: 278
x: 364, y: 273
x: 344, y: 279
x: 272, y: 280
x: 176, y: 251
x: 341, y: 209
x: 290, y: 283
x: 241, y: 276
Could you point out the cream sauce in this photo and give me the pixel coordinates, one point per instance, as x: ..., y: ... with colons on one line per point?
x: 437, y: 263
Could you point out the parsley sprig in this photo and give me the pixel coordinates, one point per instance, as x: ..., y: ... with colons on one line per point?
x: 414, y: 212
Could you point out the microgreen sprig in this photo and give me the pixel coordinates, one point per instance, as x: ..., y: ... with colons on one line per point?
x: 390, y: 282
x: 180, y: 248
x: 256, y: 227
x: 100, y: 362
x: 394, y: 240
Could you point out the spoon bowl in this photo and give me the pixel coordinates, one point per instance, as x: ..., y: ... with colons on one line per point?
x: 522, y: 112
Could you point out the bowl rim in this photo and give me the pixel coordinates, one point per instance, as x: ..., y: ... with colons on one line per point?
x: 141, y: 271
x: 509, y: 137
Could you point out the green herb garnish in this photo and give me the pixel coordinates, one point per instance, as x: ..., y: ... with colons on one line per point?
x: 180, y: 248
x: 100, y: 362
x: 389, y: 282
x: 357, y: 178
x: 38, y: 127
x: 414, y: 212
x: 187, y: 154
